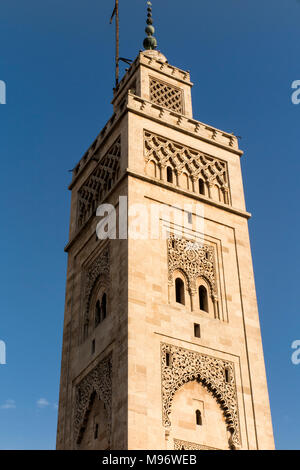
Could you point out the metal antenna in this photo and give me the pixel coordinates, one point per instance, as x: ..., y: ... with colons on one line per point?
x: 116, y: 14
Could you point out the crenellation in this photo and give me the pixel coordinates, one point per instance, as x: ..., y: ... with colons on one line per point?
x: 197, y: 128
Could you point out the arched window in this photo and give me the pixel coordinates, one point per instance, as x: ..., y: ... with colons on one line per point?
x: 100, y: 310
x: 179, y: 288
x: 185, y: 181
x: 168, y: 359
x: 151, y: 169
x: 198, y: 418
x: 201, y: 186
x: 86, y: 330
x: 96, y: 431
x: 203, y: 299
x: 169, y: 175
x: 97, y: 314
x: 103, y: 307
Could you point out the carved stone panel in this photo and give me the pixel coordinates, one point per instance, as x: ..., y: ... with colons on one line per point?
x: 182, y: 159
x: 98, y: 269
x: 98, y: 381
x: 91, y: 275
x: 185, y: 445
x: 194, y: 260
x: 166, y: 95
x: 99, y: 183
x: 183, y: 366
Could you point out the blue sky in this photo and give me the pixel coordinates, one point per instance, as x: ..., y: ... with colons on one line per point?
x: 57, y: 61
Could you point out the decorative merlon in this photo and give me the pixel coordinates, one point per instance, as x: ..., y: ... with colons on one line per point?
x: 162, y: 66
x: 152, y: 110
x: 165, y: 67
x: 167, y: 117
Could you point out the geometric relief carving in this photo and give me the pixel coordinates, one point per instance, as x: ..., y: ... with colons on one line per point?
x: 195, y: 260
x: 166, y: 95
x: 97, y: 382
x: 164, y: 152
x: 185, y: 445
x: 99, y: 183
x: 100, y: 267
x: 180, y: 366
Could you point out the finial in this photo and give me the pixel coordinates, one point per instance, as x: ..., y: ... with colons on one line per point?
x: 150, y: 43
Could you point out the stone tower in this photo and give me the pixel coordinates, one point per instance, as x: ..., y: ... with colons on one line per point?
x: 161, y: 346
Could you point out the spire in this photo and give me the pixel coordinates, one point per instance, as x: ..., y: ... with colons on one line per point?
x: 150, y: 43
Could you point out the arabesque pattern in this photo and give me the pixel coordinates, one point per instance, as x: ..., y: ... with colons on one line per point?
x: 196, y: 165
x: 185, y: 366
x: 98, y: 381
x: 99, y: 183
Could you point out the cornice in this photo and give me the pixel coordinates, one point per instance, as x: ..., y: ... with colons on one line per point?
x: 169, y: 186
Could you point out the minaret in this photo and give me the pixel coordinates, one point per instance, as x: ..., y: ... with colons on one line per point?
x: 161, y: 346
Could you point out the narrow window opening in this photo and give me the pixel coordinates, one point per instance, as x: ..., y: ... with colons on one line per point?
x: 86, y: 330
x: 169, y: 175
x: 179, y: 287
x: 93, y: 346
x: 197, y: 332
x: 97, y: 314
x: 201, y: 187
x: 198, y: 418
x: 203, y: 299
x: 168, y: 359
x: 227, y: 375
x: 103, y: 306
x: 96, y: 431
x: 190, y: 217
